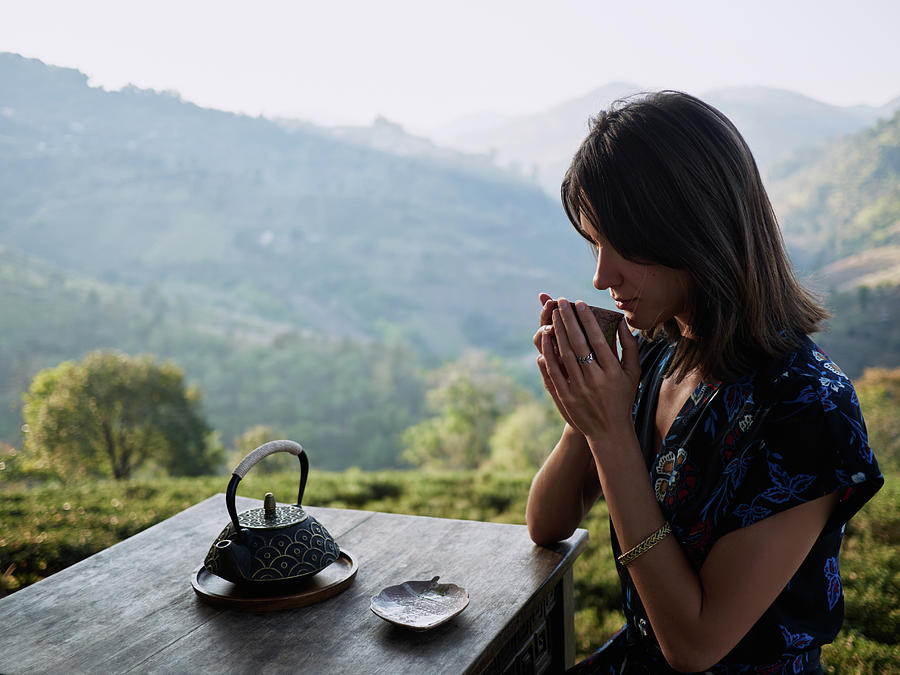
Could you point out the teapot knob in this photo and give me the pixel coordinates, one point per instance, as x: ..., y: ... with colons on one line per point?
x: 269, y: 505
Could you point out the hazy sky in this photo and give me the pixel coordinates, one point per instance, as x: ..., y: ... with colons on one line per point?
x: 424, y: 63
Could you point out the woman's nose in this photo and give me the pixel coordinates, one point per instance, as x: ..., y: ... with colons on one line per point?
x: 605, y: 275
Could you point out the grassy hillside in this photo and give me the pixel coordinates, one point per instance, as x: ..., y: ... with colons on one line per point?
x: 354, y: 397
x: 291, y: 225
x: 864, y: 329
x: 841, y: 199
x: 44, y: 529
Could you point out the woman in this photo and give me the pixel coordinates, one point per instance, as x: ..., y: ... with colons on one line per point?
x: 729, y: 449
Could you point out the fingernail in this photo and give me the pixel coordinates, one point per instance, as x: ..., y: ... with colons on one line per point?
x: 563, y: 302
x: 548, y: 328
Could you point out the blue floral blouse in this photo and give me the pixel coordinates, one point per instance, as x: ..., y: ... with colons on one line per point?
x: 736, y: 454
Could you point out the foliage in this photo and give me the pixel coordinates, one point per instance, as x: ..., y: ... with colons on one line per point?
x: 352, y: 397
x: 870, y: 571
x: 47, y: 528
x: 843, y: 199
x: 879, y: 396
x: 523, y: 438
x: 112, y: 414
x: 254, y: 437
x: 44, y: 529
x: 345, y: 401
x: 466, y: 399
x: 864, y: 329
x: 10, y: 464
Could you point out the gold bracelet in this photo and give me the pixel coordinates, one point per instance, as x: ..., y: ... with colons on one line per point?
x: 630, y: 556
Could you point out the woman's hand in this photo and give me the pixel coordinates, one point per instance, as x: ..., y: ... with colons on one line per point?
x: 545, y: 329
x: 548, y: 304
x: 594, y: 397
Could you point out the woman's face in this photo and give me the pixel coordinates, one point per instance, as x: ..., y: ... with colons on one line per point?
x: 649, y: 295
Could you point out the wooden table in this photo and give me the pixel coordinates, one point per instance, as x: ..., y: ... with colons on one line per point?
x: 131, y: 607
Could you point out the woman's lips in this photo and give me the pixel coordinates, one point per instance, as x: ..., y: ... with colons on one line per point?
x: 626, y: 305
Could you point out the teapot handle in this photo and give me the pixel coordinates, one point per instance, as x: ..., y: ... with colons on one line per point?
x: 252, y: 459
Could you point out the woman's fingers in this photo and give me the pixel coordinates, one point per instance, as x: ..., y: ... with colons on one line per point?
x: 550, y: 348
x: 591, y: 329
x: 551, y: 358
x: 549, y: 304
x: 606, y: 357
x: 539, y: 336
x: 551, y: 389
x: 592, y: 397
x: 549, y: 365
x: 570, y: 340
x: 578, y: 343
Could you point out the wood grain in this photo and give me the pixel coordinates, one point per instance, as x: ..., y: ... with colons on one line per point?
x: 132, y: 608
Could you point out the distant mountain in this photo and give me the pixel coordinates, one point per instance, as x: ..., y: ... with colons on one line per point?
x: 538, y: 146
x: 469, y: 124
x: 135, y: 187
x: 775, y: 122
x: 840, y: 206
x: 391, y: 137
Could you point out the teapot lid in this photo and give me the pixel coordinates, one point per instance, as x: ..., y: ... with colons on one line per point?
x: 272, y: 516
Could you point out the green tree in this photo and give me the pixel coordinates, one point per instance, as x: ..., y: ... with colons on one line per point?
x: 465, y: 399
x: 522, y: 439
x: 879, y: 397
x: 10, y: 463
x: 112, y: 414
x: 254, y: 437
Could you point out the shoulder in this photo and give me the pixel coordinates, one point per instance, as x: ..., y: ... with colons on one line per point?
x: 807, y: 382
x: 813, y: 434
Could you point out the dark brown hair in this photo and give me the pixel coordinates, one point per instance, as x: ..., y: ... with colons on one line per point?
x: 667, y: 179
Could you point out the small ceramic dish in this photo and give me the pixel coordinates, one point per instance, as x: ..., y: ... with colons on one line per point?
x: 420, y: 605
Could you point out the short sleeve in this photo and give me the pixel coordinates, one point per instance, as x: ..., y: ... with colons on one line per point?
x: 810, y: 443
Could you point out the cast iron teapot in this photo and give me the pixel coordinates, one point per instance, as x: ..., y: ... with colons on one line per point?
x: 273, y: 546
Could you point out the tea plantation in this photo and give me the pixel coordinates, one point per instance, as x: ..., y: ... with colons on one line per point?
x: 46, y: 528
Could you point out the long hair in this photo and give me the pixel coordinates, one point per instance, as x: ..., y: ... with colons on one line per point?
x: 667, y: 179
